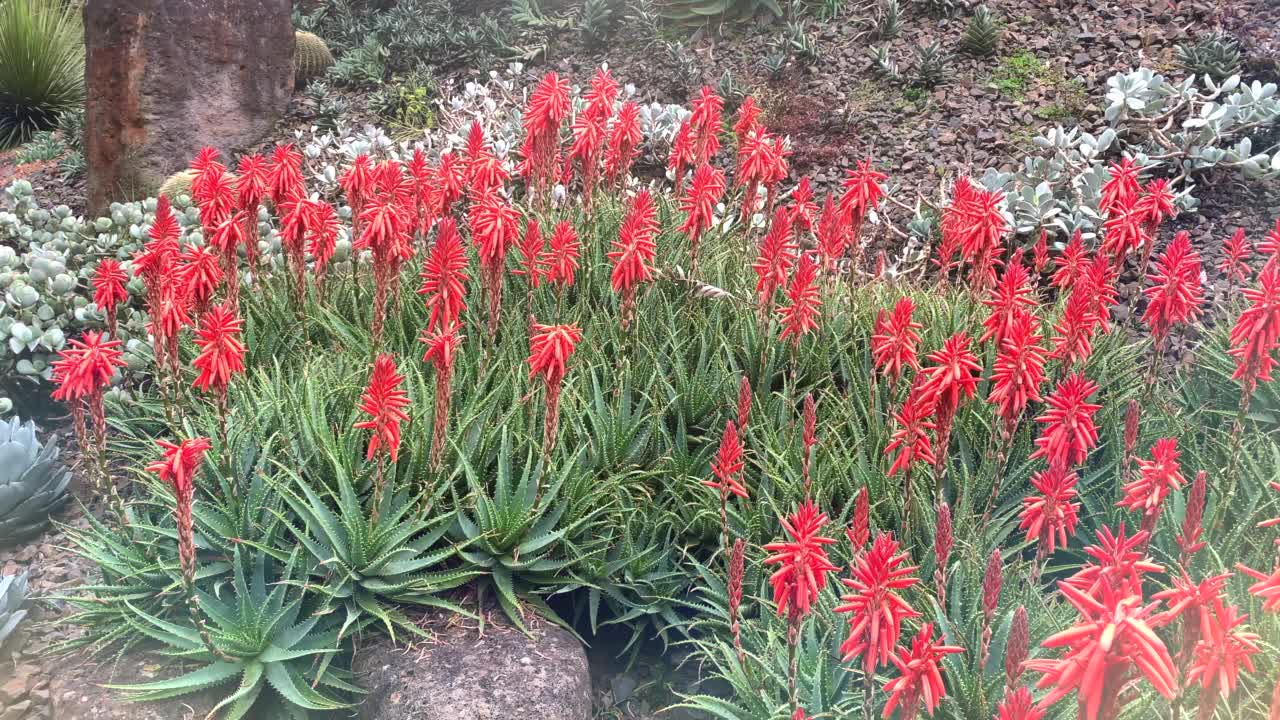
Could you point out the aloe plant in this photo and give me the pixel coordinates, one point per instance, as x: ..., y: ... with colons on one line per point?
x: 33, y: 481
x: 367, y: 563
x: 264, y: 638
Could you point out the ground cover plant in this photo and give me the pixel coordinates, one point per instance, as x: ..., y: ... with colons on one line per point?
x: 504, y: 371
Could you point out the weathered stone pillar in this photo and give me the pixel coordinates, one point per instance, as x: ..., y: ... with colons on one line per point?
x: 164, y: 78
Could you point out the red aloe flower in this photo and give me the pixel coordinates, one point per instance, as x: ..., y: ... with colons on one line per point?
x: 109, y: 290
x: 744, y: 402
x: 728, y: 464
x: 543, y: 116
x: 169, y: 317
x: 550, y: 347
x: 952, y: 378
x: 1069, y: 433
x: 1123, y: 232
x: 777, y: 254
x: 562, y: 260
x: 201, y: 273
x: 1018, y: 372
x: 1270, y: 245
x: 442, y: 347
x: 1111, y: 641
x: 1018, y: 705
x: 802, y: 208
x: 1073, y: 335
x: 484, y: 171
x: 683, y: 155
x: 1267, y: 588
x: 975, y: 225
x: 1220, y: 654
x: 634, y: 251
x: 1009, y: 299
x: 384, y: 402
x: 322, y: 235
x: 251, y: 188
x: 533, y: 255
x: 943, y: 540
x: 1071, y: 263
x: 590, y: 130
x: 444, y: 277
x: 862, y: 194
x: 1159, y: 476
x: 179, y: 467
x: 495, y: 227
x: 1189, y: 541
x: 1122, y: 186
x: 737, y: 569
x: 875, y: 608
x: 700, y: 203
x: 1185, y: 599
x: 1016, y: 648
x: 84, y: 368
x: 831, y: 236
x: 1100, y: 277
x: 911, y: 439
x: 1117, y: 565
x: 801, y: 315
x: 624, y: 144
x: 1050, y: 518
x: 207, y: 168
x: 802, y: 561
x: 1156, y: 204
x: 217, y: 201
x: 1235, y: 257
x: 859, y: 532
x: 1176, y: 295
x: 705, y: 122
x: 1256, y: 333
x: 748, y: 115
x: 357, y: 183
x: 1040, y: 253
x: 221, y: 351
x: 894, y: 344
x: 284, y: 176
x: 921, y: 677
x: 755, y: 167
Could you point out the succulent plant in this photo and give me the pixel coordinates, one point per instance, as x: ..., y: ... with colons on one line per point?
x: 1215, y: 55
x: 697, y: 12
x: 13, y: 594
x: 885, y: 66
x: 889, y: 20
x: 931, y: 65
x: 177, y: 185
x: 311, y: 57
x: 982, y: 35
x: 33, y: 481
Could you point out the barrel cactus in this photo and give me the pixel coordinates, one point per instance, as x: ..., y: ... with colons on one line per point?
x: 311, y: 57
x: 177, y: 185
x: 33, y: 481
x: 13, y: 594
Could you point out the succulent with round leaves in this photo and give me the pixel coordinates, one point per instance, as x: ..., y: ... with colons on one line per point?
x: 1215, y: 55
x: 311, y: 57
x: 33, y: 481
x: 13, y: 595
x: 982, y: 36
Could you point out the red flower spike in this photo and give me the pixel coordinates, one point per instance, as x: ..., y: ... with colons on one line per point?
x: 802, y: 561
x: 802, y: 207
x: 1018, y: 372
x: 1071, y: 263
x: 1069, y: 433
x: 284, y: 175
x: 894, y: 344
x: 859, y: 532
x: 1156, y: 204
x: 1189, y: 540
x: 484, y: 172
x: 1050, y: 518
x: 178, y: 468
x: 624, y: 144
x: 251, y: 184
x: 954, y: 374
x: 875, y: 608
x: 700, y: 202
x: 322, y: 234
x: 1117, y: 564
x: 634, y: 250
x: 921, y: 677
x: 1010, y: 299
x: 1159, y: 476
x: 533, y: 254
x: 85, y: 366
x: 974, y: 224
x: 800, y: 316
x: 799, y: 714
x: 1256, y: 333
x: 774, y: 261
x: 357, y: 183
x: 1018, y: 705
x: 1220, y: 654
x: 1235, y: 257
x: 1122, y: 186
x: 705, y: 122
x: 207, y: 168
x: 550, y: 349
x: 1040, y: 253
x: 748, y: 115
x: 682, y: 155
x: 831, y: 235
x: 201, y: 273
x: 862, y: 193
x: 1017, y: 647
x: 109, y: 289
x: 727, y: 465
x: 992, y: 578
x: 444, y: 277
x: 221, y: 350
x: 1073, y: 335
x: 544, y: 115
x: 384, y: 402
x: 1176, y: 296
x: 562, y: 259
x: 911, y: 439
x: 744, y: 402
x: 1111, y: 639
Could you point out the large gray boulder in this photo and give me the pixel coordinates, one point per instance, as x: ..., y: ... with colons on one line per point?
x: 458, y: 675
x: 164, y: 78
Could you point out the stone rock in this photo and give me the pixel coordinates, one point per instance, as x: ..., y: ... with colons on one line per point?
x: 167, y: 77
x: 77, y: 693
x: 16, y: 711
x: 459, y: 676
x: 18, y: 684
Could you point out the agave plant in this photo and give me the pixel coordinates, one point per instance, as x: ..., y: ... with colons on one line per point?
x: 519, y: 531
x: 263, y: 637
x: 33, y: 481
x: 13, y: 594
x: 367, y: 563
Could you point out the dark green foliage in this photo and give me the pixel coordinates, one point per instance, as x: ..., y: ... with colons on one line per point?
x: 41, y: 66
x: 697, y: 12
x: 597, y: 21
x: 888, y: 22
x: 982, y: 35
x: 1216, y: 55
x: 931, y: 65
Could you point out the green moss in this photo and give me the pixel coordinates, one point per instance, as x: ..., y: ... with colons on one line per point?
x: 1016, y: 73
